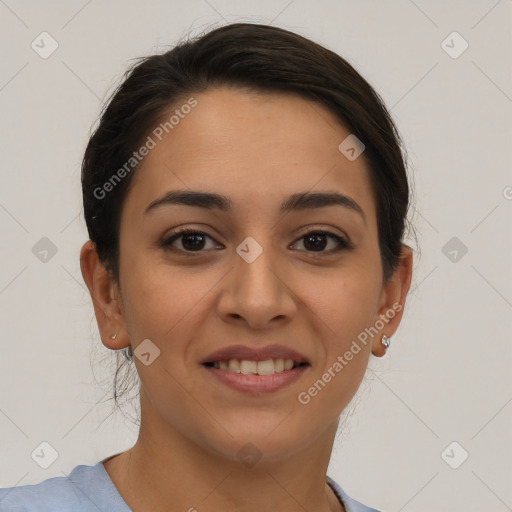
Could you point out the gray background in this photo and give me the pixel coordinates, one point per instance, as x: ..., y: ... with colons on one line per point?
x: 447, y: 375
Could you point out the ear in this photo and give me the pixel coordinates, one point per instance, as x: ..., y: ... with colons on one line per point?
x: 392, y: 300
x: 106, y: 298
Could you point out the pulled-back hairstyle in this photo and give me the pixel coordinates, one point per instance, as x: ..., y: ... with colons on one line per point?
x: 252, y: 57
x: 255, y: 57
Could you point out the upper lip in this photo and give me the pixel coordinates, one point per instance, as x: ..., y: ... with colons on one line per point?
x: 243, y: 352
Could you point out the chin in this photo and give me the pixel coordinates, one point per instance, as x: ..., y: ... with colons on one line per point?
x: 264, y: 440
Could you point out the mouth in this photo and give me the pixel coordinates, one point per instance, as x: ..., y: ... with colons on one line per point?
x: 245, y: 377
x: 248, y: 367
x: 256, y: 370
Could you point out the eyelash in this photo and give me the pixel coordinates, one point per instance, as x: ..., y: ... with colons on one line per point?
x: 166, y: 243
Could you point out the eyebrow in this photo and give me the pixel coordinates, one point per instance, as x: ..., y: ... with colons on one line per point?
x: 295, y: 202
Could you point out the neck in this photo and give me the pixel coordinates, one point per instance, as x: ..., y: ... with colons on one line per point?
x: 165, y: 467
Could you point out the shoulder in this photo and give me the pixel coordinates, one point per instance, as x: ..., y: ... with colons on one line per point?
x: 351, y: 505
x: 83, y: 490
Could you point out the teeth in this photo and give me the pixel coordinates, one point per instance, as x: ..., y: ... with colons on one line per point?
x: 278, y: 365
x: 248, y: 367
x: 268, y: 367
x: 234, y: 366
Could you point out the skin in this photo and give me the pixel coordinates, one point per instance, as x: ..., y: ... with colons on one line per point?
x: 257, y: 150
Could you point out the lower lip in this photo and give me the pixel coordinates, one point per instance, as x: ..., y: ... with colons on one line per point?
x: 257, y: 383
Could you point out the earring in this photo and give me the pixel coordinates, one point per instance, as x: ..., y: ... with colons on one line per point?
x: 115, y: 335
x: 386, y: 341
x: 127, y: 352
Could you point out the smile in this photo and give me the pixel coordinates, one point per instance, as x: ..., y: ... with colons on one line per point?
x: 256, y: 377
x: 246, y: 367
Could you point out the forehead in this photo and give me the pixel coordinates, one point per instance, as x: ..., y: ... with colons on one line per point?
x: 254, y: 148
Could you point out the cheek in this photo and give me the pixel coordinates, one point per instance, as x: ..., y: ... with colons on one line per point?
x: 162, y: 302
x: 345, y: 302
x: 343, y: 308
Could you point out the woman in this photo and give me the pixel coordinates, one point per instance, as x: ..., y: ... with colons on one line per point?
x: 245, y: 196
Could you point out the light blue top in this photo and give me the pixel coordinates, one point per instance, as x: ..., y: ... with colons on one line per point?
x: 90, y: 489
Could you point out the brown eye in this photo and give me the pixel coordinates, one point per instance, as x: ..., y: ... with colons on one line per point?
x: 318, y: 241
x: 189, y: 239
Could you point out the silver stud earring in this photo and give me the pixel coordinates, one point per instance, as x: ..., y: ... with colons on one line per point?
x: 386, y: 341
x: 115, y: 335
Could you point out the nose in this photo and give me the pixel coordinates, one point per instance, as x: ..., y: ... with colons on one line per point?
x: 257, y: 293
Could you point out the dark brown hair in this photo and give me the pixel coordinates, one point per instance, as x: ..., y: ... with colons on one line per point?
x: 259, y: 58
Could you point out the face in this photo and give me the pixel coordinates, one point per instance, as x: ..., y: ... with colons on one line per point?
x: 307, y: 278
